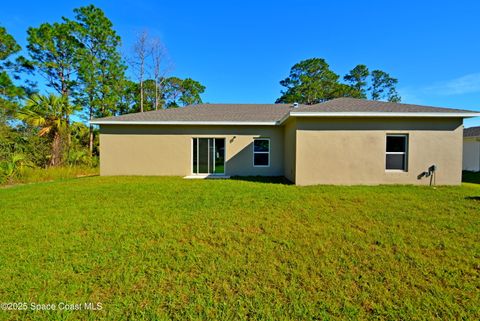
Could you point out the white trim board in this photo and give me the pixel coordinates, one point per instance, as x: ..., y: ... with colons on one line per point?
x: 139, y: 122
x: 381, y: 114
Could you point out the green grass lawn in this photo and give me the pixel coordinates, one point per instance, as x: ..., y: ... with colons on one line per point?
x: 168, y: 248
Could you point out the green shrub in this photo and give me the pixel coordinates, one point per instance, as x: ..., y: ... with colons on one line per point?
x: 10, y: 167
x: 35, y: 174
x: 78, y: 157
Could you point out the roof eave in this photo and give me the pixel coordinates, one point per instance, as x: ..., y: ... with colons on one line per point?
x: 291, y: 114
x: 203, y: 123
x: 385, y: 114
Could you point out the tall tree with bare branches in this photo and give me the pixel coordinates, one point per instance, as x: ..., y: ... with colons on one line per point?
x: 160, y: 68
x: 142, y: 51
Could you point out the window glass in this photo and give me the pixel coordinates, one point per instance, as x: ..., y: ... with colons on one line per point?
x: 219, y: 156
x: 396, y: 143
x: 195, y: 170
x: 261, y: 159
x: 261, y: 152
x: 396, y: 161
x: 261, y: 145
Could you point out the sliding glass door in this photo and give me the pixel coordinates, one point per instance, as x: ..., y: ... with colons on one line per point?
x: 208, y: 156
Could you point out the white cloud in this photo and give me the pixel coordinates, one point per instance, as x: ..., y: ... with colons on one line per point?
x: 466, y: 84
x: 463, y: 85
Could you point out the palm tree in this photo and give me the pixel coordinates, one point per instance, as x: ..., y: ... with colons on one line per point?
x: 50, y: 114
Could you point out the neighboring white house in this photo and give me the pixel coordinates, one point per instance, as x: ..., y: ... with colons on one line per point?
x: 471, y: 149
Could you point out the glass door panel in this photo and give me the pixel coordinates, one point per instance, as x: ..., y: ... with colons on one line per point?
x: 208, y: 156
x: 195, y: 156
x: 219, y: 155
x: 203, y: 157
x: 211, y: 155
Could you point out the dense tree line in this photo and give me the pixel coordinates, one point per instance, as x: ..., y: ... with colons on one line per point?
x: 84, y: 76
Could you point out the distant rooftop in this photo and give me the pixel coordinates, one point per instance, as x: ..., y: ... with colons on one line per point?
x: 471, y: 132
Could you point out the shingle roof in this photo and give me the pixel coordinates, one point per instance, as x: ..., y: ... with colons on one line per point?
x: 363, y: 105
x: 274, y: 113
x: 471, y: 132
x: 211, y: 113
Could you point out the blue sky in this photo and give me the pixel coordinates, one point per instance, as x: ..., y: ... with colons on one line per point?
x: 240, y: 50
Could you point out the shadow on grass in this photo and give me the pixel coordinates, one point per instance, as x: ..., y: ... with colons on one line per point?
x: 471, y: 177
x: 263, y: 179
x: 86, y: 176
x: 473, y: 198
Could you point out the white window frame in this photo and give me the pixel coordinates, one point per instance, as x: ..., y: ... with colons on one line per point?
x: 405, y: 154
x: 254, y: 152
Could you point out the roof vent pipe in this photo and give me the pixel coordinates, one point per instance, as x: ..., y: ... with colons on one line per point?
x: 295, y: 105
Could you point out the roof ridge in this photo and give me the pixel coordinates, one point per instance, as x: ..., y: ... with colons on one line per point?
x: 237, y: 104
x: 372, y: 103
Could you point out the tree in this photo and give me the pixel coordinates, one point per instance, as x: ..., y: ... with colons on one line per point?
x: 190, y: 92
x: 172, y: 92
x: 101, y: 72
x: 149, y: 60
x: 8, y: 45
x: 310, y: 81
x: 178, y: 92
x: 151, y: 96
x: 80, y: 154
x: 53, y: 49
x: 357, y: 79
x: 10, y: 94
x: 50, y: 115
x: 159, y: 70
x: 129, y: 98
x: 141, y: 52
x: 383, y: 87
x: 24, y: 140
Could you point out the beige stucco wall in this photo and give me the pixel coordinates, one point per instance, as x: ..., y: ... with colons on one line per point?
x: 352, y: 151
x: 167, y: 150
x: 290, y: 135
x: 305, y: 150
x: 471, y: 154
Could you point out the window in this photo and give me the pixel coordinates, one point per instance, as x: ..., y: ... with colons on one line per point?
x: 261, y: 152
x: 397, y: 152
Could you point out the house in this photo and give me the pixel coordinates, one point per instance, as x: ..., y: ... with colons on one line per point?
x: 471, y: 149
x: 341, y: 141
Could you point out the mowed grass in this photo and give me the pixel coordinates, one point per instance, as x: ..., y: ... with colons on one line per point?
x: 168, y: 248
